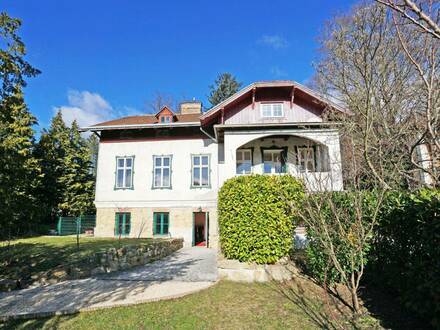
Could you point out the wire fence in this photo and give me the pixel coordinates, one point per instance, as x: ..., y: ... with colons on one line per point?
x: 75, y: 225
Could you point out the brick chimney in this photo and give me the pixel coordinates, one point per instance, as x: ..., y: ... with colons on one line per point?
x: 191, y: 107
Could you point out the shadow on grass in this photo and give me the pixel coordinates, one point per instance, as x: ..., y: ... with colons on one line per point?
x: 71, y: 296
x: 325, y: 310
x: 43, y: 323
x: 385, y: 306
x: 330, y: 310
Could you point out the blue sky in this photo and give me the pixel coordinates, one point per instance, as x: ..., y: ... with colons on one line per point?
x: 104, y: 59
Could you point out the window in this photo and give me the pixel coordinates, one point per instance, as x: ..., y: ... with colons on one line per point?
x: 161, y: 171
x: 269, y: 110
x: 274, y: 161
x: 165, y: 119
x: 244, y: 161
x: 124, y: 172
x: 122, y: 224
x: 161, y: 223
x: 200, y: 171
x: 306, y: 159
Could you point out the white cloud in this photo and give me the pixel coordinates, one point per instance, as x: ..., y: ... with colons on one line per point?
x: 89, y: 108
x: 277, y: 72
x: 275, y: 41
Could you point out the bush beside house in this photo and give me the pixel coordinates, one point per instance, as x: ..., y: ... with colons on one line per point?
x: 255, y: 217
x: 404, y: 255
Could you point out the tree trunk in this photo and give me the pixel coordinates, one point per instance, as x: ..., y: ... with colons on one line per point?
x: 355, y: 300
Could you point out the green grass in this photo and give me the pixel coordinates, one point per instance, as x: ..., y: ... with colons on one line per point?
x: 33, y: 256
x: 227, y: 305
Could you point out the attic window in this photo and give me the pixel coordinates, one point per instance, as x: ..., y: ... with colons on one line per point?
x: 165, y: 119
x: 269, y: 110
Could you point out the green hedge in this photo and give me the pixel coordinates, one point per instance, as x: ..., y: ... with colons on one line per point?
x: 255, y: 219
x: 405, y: 257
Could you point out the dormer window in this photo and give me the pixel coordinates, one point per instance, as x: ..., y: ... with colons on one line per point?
x: 165, y: 119
x: 165, y: 116
x: 272, y: 110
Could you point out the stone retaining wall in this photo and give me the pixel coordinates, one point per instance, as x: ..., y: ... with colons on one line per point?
x: 124, y: 258
x: 113, y: 259
x: 234, y: 270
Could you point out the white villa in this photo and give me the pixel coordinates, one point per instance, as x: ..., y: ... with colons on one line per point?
x: 158, y: 175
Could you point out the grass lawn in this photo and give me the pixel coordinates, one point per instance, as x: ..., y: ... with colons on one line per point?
x: 227, y: 305
x: 32, y: 256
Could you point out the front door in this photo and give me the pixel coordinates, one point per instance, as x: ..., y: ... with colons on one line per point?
x: 200, y: 229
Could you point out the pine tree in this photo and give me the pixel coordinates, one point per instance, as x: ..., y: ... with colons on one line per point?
x: 78, y: 176
x: 20, y: 171
x: 225, y: 86
x: 67, y: 163
x: 51, y: 150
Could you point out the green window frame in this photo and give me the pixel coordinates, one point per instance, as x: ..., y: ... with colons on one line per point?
x: 161, y: 223
x: 122, y: 223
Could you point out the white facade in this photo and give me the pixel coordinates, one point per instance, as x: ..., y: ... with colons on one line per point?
x: 142, y: 194
x: 296, y: 129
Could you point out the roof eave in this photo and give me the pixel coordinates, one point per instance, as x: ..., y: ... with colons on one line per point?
x: 138, y: 126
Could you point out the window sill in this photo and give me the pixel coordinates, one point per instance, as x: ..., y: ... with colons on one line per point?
x: 162, y: 188
x: 201, y: 187
x: 120, y: 188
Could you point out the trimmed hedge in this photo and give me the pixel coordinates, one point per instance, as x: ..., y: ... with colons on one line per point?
x: 405, y: 257
x: 256, y: 220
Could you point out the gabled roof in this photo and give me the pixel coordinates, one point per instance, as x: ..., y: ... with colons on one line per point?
x: 164, y: 109
x: 274, y: 83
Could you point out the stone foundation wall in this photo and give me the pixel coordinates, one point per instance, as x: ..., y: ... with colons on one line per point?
x: 180, y: 223
x: 104, y: 262
x: 234, y: 270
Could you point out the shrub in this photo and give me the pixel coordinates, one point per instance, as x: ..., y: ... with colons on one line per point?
x: 406, y: 252
x: 403, y: 254
x: 256, y: 216
x: 347, y: 248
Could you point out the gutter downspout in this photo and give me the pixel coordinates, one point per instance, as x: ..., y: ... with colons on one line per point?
x: 208, y: 135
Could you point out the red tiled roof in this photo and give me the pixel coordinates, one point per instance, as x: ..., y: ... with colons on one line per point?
x: 149, y: 119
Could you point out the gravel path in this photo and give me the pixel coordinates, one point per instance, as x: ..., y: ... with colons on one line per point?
x: 186, y: 271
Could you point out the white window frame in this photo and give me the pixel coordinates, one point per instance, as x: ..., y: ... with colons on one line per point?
x: 201, y: 166
x: 161, y: 167
x: 273, y: 151
x: 272, y: 110
x: 242, y: 161
x: 124, y: 169
x: 302, y: 163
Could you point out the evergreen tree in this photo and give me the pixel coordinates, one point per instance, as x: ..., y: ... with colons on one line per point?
x: 93, y: 145
x: 20, y: 171
x: 13, y: 68
x: 225, y: 86
x: 78, y: 176
x: 51, y: 150
x: 68, y: 170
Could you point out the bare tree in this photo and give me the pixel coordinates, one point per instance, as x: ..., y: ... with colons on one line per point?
x: 159, y: 101
x: 424, y: 14
x: 417, y: 30
x: 364, y: 67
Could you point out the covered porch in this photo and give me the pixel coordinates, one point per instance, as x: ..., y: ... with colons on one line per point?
x: 312, y: 155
